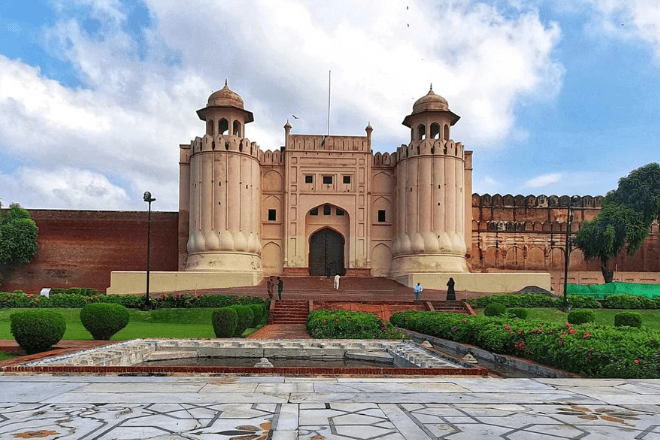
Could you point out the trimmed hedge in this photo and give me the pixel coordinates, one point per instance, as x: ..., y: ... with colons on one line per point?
x: 104, y: 320
x: 581, y: 316
x: 518, y: 313
x: 245, y: 318
x: 342, y: 324
x: 627, y: 319
x: 19, y: 299
x: 588, y: 349
x: 258, y: 311
x: 535, y: 300
x: 37, y: 330
x: 495, y: 309
x: 224, y: 322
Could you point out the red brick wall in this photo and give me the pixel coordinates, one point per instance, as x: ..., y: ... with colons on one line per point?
x: 81, y: 248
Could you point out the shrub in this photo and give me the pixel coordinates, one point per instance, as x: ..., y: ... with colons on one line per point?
x: 630, y: 302
x: 224, y: 322
x: 519, y: 313
x: 342, y: 324
x: 581, y: 316
x: 535, y: 300
x: 627, y: 319
x: 37, y: 330
x: 588, y: 349
x: 104, y: 320
x: 495, y: 309
x: 245, y: 318
x: 258, y: 310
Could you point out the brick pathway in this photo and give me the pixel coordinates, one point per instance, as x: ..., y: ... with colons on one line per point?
x: 282, y: 331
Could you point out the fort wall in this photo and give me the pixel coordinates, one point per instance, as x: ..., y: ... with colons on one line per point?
x: 81, y: 248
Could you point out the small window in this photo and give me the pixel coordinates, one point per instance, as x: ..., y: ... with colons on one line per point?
x: 347, y: 180
x: 309, y: 179
x: 272, y: 215
x: 314, y: 211
x: 327, y: 180
x: 339, y: 211
x: 381, y: 215
x: 327, y: 210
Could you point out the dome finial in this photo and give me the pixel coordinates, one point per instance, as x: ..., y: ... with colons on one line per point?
x: 431, y: 88
x: 225, y: 82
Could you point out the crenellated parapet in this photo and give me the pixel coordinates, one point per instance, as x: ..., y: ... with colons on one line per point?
x: 271, y: 158
x: 431, y: 147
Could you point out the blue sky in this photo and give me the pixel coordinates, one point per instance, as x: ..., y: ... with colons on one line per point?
x: 96, y: 95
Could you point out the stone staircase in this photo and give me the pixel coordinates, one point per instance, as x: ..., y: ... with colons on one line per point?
x: 450, y: 307
x: 289, y: 312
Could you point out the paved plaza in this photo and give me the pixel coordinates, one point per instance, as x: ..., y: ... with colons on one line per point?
x: 319, y: 408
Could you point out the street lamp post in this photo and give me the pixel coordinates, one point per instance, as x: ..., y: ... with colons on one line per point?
x: 148, y: 199
x: 567, y: 249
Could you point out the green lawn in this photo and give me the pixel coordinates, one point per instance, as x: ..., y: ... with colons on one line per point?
x: 163, y: 323
x: 4, y: 355
x: 650, y: 318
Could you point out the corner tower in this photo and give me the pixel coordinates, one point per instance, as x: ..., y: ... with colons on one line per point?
x: 220, y: 187
x: 433, y: 181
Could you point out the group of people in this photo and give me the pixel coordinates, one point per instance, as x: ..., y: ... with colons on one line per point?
x: 272, y: 282
x: 417, y: 290
x: 451, y: 293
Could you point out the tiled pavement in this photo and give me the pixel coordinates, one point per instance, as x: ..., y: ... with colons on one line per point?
x: 251, y: 408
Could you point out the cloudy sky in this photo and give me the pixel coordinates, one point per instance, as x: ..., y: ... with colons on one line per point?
x: 96, y: 95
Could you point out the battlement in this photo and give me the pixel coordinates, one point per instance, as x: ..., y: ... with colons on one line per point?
x: 531, y: 201
x: 221, y: 142
x: 305, y: 142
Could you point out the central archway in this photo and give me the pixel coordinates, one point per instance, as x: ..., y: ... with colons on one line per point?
x: 326, y: 252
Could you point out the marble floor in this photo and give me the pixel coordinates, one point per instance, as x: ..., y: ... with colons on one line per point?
x: 317, y: 408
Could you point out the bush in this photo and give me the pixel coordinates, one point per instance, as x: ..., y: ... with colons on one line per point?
x: 495, y: 309
x: 104, y: 320
x: 342, y: 324
x: 588, y: 349
x: 258, y: 310
x: 519, y: 313
x: 627, y: 319
x: 535, y: 300
x: 245, y: 318
x: 630, y: 302
x: 37, y: 330
x: 224, y: 322
x: 581, y: 316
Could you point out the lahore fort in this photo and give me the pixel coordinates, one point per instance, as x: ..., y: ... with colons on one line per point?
x: 323, y: 205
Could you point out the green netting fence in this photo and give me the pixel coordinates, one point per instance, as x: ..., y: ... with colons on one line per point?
x: 600, y: 291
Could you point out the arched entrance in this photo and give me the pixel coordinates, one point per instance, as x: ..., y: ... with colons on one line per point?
x: 326, y: 251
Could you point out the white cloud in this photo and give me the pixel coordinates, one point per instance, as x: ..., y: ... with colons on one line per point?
x: 630, y: 19
x: 544, y: 180
x: 63, y: 188
x: 135, y: 106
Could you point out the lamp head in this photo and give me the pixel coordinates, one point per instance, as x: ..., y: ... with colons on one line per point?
x: 147, y: 197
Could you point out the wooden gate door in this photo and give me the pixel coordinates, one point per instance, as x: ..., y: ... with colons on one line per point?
x: 326, y: 251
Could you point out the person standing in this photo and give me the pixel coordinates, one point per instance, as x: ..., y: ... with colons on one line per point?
x: 418, y: 291
x: 280, y: 287
x: 270, y: 286
x: 451, y: 293
x: 337, y: 282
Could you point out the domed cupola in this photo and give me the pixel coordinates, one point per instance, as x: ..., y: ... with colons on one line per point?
x: 430, y: 115
x: 225, y: 113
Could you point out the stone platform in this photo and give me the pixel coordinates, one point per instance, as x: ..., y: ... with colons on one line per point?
x: 312, y: 408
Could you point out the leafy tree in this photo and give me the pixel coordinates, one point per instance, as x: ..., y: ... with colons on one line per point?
x: 625, y: 219
x: 18, y: 236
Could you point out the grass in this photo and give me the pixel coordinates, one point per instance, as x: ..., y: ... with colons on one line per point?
x: 4, y: 355
x: 650, y: 318
x: 162, y: 323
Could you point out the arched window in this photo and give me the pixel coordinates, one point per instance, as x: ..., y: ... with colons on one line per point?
x: 446, y: 132
x: 223, y: 126
x: 421, y: 132
x: 435, y: 131
x: 237, y: 128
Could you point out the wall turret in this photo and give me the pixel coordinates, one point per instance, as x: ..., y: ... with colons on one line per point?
x: 223, y: 190
x: 431, y: 209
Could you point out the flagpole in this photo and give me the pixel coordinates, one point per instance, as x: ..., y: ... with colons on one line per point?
x: 329, y: 82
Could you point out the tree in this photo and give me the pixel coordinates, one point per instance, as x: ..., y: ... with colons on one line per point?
x: 625, y: 219
x: 18, y: 236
